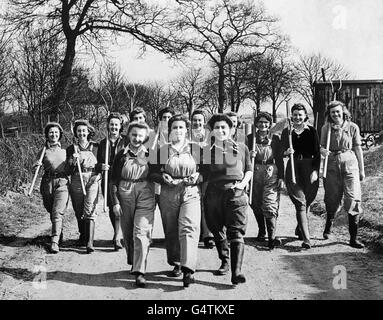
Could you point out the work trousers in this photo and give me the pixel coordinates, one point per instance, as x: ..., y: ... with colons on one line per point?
x: 266, y: 195
x: 180, y: 208
x: 226, y: 214
x: 342, y: 181
x: 84, y: 206
x: 137, y: 204
x: 55, y: 199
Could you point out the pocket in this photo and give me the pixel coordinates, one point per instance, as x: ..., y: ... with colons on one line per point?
x: 237, y: 197
x: 351, y: 163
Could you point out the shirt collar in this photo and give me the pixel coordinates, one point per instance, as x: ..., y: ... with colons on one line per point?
x: 141, y: 149
x: 305, y: 127
x: 51, y: 145
x: 225, y: 145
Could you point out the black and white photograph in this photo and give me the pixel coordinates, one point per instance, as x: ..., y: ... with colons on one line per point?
x: 195, y: 157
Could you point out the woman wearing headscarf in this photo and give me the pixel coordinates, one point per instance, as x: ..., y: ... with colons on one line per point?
x: 305, y: 150
x: 133, y: 198
x: 54, y: 183
x: 178, y: 173
x: 116, y: 143
x: 226, y: 202
x: 267, y: 177
x: 345, y: 169
x: 84, y: 205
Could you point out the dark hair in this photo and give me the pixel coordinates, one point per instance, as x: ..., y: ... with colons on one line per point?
x: 199, y: 111
x: 263, y: 114
x: 51, y: 125
x: 177, y: 117
x: 219, y: 117
x: 137, y: 111
x: 165, y: 110
x: 233, y: 114
x: 299, y: 107
x: 333, y: 104
x: 116, y: 115
x: 83, y: 122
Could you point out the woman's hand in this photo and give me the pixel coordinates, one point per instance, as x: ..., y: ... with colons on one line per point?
x: 75, y: 156
x: 313, y: 176
x: 281, y: 184
x: 193, y: 179
x: 168, y: 179
x: 252, y: 154
x: 105, y: 167
x: 288, y: 152
x: 38, y: 163
x: 239, y: 186
x: 362, y: 175
x: 117, y: 210
x: 324, y: 152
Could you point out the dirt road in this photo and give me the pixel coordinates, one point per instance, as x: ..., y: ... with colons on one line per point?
x: 330, y: 270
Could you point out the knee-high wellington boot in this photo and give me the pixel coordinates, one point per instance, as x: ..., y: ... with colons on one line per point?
x: 90, y: 226
x: 329, y: 221
x: 261, y: 226
x: 223, y: 254
x: 353, y: 221
x: 237, y: 250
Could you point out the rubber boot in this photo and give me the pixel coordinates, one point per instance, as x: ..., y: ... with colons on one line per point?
x: 237, y: 250
x: 116, y: 238
x: 223, y: 254
x: 353, y: 221
x: 261, y: 227
x: 304, y: 228
x: 90, y: 226
x: 81, y: 228
x: 140, y: 280
x: 298, y: 233
x: 271, y: 224
x: 327, y: 228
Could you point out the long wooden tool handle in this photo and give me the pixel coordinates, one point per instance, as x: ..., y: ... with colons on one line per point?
x: 80, y: 172
x: 252, y: 165
x: 106, y: 175
x: 290, y: 129
x: 37, y: 171
x: 327, y: 148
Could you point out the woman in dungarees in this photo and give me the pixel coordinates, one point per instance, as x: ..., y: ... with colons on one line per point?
x: 345, y: 169
x: 84, y: 205
x: 226, y: 202
x: 267, y: 178
x: 305, y: 149
x: 133, y: 198
x: 54, y: 183
x: 117, y: 142
x: 180, y: 200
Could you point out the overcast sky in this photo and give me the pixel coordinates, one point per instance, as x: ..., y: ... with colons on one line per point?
x: 350, y: 31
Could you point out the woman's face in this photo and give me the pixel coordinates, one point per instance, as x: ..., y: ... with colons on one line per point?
x: 299, y: 117
x: 221, y: 130
x: 178, y: 131
x: 53, y: 135
x: 198, y: 121
x: 137, y: 136
x: 336, y: 114
x: 114, y: 126
x: 139, y: 117
x: 82, y: 132
x: 263, y: 124
x: 165, y: 117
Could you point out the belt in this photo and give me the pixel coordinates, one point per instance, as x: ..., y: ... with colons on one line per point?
x: 55, y: 175
x: 337, y: 152
x: 302, y: 157
x: 133, y: 180
x: 264, y: 162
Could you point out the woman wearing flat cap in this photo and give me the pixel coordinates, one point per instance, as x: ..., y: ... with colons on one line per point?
x: 229, y: 172
x: 84, y: 205
x: 54, y: 183
x: 267, y: 179
x: 117, y: 142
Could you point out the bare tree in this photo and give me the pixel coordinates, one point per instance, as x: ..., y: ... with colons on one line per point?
x: 4, y: 77
x: 90, y: 22
x: 216, y: 28
x: 35, y: 69
x: 309, y: 70
x: 282, y: 79
x: 188, y: 86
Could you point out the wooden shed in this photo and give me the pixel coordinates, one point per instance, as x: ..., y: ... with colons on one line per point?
x: 363, y: 98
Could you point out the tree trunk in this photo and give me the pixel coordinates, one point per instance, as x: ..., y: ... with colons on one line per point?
x: 221, y: 88
x: 62, y: 86
x: 1, y: 130
x: 274, y: 111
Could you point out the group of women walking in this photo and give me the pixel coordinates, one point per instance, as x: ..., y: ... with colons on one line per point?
x: 199, y: 178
